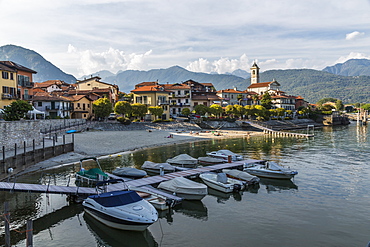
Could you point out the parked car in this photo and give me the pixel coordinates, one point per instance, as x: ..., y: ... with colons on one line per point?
x: 112, y: 116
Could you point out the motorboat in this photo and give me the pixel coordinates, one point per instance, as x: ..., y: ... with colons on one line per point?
x: 220, y: 182
x: 210, y: 160
x: 185, y: 188
x: 129, y: 172
x: 244, y: 176
x: 225, y: 154
x: 155, y: 168
x: 124, y: 210
x: 160, y: 202
x: 90, y: 176
x: 270, y: 170
x: 183, y: 160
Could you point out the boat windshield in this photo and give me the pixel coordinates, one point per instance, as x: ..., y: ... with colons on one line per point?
x: 116, y: 198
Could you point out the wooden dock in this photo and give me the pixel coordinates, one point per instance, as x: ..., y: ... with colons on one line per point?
x: 143, y: 182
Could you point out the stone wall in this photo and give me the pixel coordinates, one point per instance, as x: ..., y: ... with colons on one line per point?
x: 18, y: 132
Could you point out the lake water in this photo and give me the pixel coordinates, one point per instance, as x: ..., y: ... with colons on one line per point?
x: 326, y: 204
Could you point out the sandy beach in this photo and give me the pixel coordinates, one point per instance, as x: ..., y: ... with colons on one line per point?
x: 110, y: 143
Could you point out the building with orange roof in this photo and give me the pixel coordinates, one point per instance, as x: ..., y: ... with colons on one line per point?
x: 102, y: 88
x: 153, y: 95
x: 179, y: 98
x: 16, y: 82
x: 235, y: 97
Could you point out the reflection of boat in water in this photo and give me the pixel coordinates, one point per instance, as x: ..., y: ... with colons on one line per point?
x: 106, y: 236
x: 195, y: 209
x: 223, y: 197
x: 278, y: 185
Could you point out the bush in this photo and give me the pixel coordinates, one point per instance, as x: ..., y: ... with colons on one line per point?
x: 327, y: 112
x: 124, y: 121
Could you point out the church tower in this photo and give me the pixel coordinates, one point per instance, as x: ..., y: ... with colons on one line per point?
x: 255, y: 73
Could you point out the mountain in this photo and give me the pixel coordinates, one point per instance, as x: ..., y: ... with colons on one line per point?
x: 126, y: 80
x: 241, y: 73
x: 33, y: 60
x: 314, y: 85
x: 352, y: 67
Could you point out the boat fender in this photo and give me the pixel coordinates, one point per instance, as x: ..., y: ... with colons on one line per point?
x: 237, y: 187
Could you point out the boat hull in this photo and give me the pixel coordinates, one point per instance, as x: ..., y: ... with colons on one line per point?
x: 211, y: 181
x: 267, y: 174
x: 116, y: 222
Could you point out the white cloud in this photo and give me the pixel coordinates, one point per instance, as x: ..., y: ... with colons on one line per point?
x: 354, y: 35
x: 111, y: 59
x: 352, y: 55
x: 220, y: 66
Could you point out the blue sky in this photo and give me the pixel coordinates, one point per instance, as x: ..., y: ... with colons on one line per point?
x: 86, y: 36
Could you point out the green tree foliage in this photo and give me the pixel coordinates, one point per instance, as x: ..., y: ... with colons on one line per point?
x: 249, y: 110
x: 255, y: 98
x: 123, y: 107
x: 366, y: 107
x: 185, y: 111
x: 139, y: 110
x: 239, y: 110
x: 102, y: 108
x: 339, y: 105
x: 201, y: 109
x: 157, y: 111
x: 326, y: 100
x: 280, y: 112
x: 230, y: 110
x: 261, y: 112
x: 216, y: 110
x: 16, y: 110
x: 266, y: 100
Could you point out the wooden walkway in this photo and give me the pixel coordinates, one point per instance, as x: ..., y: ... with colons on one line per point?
x: 143, y: 182
x: 278, y: 133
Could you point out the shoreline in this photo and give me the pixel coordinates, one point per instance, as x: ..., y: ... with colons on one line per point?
x: 106, y: 144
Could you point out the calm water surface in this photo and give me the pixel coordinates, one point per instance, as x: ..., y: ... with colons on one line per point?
x: 327, y: 203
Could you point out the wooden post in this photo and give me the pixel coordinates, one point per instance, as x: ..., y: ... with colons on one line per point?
x: 53, y: 145
x: 33, y: 150
x: 43, y: 148
x: 4, y: 159
x: 15, y: 149
x: 29, y: 233
x: 6, y: 223
x: 24, y: 153
x: 73, y: 142
x: 64, y: 143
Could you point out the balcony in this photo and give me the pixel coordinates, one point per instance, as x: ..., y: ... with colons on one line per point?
x: 8, y: 96
x: 54, y: 108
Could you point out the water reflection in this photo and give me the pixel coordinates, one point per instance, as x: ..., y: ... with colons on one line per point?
x: 107, y: 236
x: 278, y: 185
x: 194, y: 209
x: 223, y: 197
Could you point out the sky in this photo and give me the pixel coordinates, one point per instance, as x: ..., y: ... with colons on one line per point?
x: 212, y: 36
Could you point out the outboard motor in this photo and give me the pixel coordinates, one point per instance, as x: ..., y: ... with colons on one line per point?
x: 237, y: 188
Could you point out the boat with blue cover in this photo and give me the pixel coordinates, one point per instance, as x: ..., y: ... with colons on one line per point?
x: 124, y: 210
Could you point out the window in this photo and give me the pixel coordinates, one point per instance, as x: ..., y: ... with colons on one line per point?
x: 186, y: 101
x: 11, y: 76
x: 139, y: 99
x: 78, y: 105
x: 5, y: 75
x: 39, y: 103
x: 178, y: 92
x: 83, y: 106
x: 145, y: 99
x: 5, y: 89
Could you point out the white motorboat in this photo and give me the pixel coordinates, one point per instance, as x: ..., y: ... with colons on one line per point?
x: 220, y: 182
x: 185, y: 188
x: 158, y: 201
x: 124, y: 210
x: 270, y: 170
x: 210, y: 160
x: 224, y: 154
x: 129, y: 172
x: 156, y: 167
x: 183, y: 160
x: 244, y: 176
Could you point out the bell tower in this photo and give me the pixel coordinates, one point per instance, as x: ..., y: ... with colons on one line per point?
x: 255, y: 73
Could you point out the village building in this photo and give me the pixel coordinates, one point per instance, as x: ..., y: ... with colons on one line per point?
x: 16, y: 82
x: 179, y: 98
x: 154, y: 95
x: 96, y: 86
x: 235, y: 97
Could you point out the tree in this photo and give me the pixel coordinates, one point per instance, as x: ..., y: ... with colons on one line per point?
x: 266, y: 100
x: 157, y: 111
x: 216, y: 110
x: 185, y: 111
x: 261, y: 112
x: 325, y: 100
x: 16, y: 110
x: 230, y: 110
x: 123, y: 107
x: 280, y: 112
x: 239, y: 110
x: 240, y: 98
x: 139, y: 110
x: 201, y: 109
x: 249, y: 110
x: 255, y: 98
x: 102, y: 108
x: 339, y: 105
